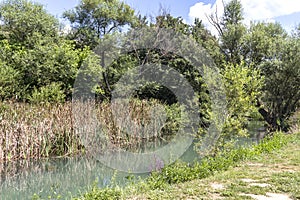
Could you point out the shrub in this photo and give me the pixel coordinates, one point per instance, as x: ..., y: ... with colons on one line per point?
x: 48, y: 94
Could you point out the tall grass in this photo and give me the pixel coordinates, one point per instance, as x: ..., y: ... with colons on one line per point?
x: 47, y: 130
x: 35, y: 131
x: 136, y: 126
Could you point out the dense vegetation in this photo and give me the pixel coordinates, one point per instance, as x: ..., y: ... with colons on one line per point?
x: 39, y: 63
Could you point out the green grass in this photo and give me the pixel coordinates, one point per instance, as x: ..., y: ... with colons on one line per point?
x: 275, y: 162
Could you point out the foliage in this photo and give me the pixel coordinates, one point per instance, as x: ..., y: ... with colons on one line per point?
x: 242, y: 84
x: 107, y: 193
x: 34, y: 53
x: 93, y: 19
x: 261, y: 42
x: 8, y: 81
x: 41, y: 66
x: 48, y: 94
x: 25, y: 23
x: 165, y: 20
x: 268, y: 48
x: 281, y: 94
x: 231, y: 30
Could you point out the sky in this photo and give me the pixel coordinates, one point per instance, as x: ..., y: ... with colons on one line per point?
x: 286, y: 12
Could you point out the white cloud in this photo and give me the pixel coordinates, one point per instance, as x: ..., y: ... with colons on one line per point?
x: 66, y: 29
x: 254, y: 10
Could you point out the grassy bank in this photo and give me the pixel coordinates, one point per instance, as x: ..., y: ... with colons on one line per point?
x: 269, y: 167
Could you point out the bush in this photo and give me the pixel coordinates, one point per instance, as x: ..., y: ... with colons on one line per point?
x: 8, y: 81
x: 48, y: 94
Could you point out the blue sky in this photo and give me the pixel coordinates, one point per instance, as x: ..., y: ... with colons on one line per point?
x: 149, y: 7
x: 287, y: 12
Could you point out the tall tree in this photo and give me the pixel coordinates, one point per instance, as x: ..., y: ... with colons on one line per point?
x: 261, y: 42
x: 34, y: 57
x: 281, y: 91
x: 268, y: 48
x: 231, y: 30
x: 26, y: 23
x: 91, y: 20
x: 204, y: 38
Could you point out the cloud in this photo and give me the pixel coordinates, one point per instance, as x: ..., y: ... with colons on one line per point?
x: 254, y: 10
x: 66, y: 28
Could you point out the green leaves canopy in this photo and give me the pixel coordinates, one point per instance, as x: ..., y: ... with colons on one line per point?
x: 92, y: 19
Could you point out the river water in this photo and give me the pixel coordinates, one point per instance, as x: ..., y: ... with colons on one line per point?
x: 65, y: 176
x: 68, y: 177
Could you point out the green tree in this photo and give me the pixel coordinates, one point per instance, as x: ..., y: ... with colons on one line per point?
x: 91, y: 20
x: 32, y: 49
x: 167, y: 21
x: 204, y: 38
x: 281, y: 94
x: 231, y: 31
x: 268, y: 48
x: 94, y: 20
x: 26, y: 23
x: 262, y: 41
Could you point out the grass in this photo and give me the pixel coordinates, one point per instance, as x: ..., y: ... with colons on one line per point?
x: 279, y: 169
x: 33, y: 131
x: 273, y: 166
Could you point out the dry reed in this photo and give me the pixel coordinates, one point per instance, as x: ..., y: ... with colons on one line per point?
x: 34, y: 131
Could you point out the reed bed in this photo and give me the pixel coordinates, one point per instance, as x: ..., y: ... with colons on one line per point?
x: 31, y: 131
x: 34, y: 131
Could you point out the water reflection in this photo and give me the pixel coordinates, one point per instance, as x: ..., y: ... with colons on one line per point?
x: 66, y: 177
x: 69, y: 177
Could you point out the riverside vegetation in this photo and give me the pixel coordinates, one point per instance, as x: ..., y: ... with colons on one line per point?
x: 275, y: 161
x: 48, y: 130
x: 40, y: 62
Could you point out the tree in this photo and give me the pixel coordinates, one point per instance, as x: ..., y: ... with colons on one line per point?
x: 26, y: 23
x: 281, y: 93
x: 231, y: 30
x: 204, y: 38
x: 165, y: 20
x: 261, y: 42
x: 91, y: 20
x: 268, y: 48
x: 34, y: 57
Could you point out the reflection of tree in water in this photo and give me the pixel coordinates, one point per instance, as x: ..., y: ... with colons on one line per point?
x: 24, y: 178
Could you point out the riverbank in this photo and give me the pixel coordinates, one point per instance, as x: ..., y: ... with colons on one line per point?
x: 270, y: 170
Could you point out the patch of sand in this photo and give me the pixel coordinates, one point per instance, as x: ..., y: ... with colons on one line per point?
x: 248, y: 180
x: 217, y: 186
x: 260, y: 184
x: 268, y: 196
